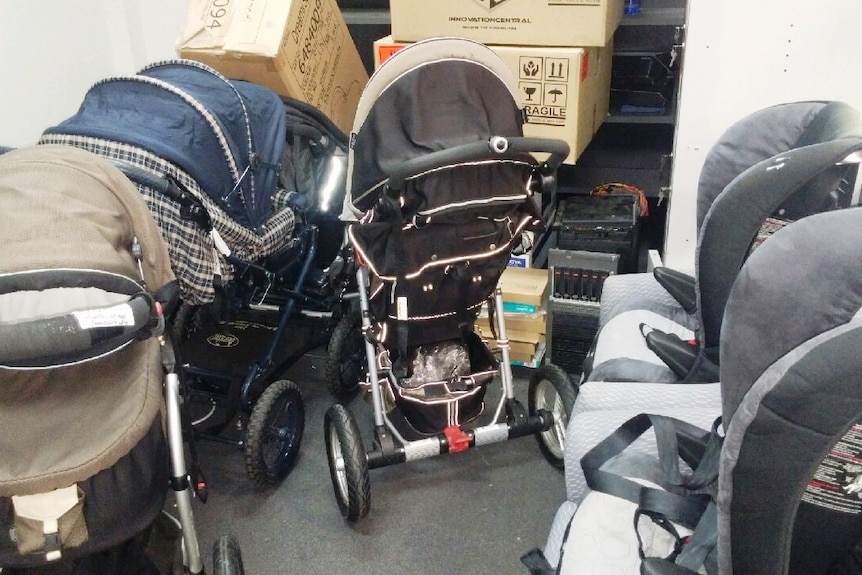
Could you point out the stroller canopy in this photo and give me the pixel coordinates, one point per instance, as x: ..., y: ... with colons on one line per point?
x: 228, y: 135
x: 428, y: 97
x: 70, y: 216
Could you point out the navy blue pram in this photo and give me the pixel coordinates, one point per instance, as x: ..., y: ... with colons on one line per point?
x: 246, y: 187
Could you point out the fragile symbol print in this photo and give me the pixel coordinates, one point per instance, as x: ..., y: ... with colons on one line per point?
x: 490, y: 4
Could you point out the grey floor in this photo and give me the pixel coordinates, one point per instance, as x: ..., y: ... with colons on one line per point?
x: 473, y: 513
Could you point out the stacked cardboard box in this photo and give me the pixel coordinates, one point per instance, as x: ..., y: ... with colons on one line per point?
x: 560, y: 52
x: 297, y: 48
x: 525, y: 293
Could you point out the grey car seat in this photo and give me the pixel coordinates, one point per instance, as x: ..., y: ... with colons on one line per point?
x: 689, y: 308
x: 786, y: 495
x: 772, y: 183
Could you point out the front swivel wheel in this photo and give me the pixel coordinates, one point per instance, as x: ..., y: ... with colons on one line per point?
x: 552, y: 390
x: 348, y: 465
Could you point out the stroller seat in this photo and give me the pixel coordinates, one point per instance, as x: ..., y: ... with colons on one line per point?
x: 195, y: 257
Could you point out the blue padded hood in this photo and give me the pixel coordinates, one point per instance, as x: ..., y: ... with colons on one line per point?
x: 228, y: 135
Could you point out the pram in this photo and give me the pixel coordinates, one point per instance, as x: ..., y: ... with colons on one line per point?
x: 90, y: 425
x: 444, y: 182
x: 247, y: 188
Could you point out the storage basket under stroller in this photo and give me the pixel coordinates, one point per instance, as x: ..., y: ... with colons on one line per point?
x: 85, y: 279
x: 440, y: 184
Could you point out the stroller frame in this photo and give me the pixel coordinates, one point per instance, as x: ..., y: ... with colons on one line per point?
x: 349, y: 462
x: 253, y: 397
x: 551, y: 394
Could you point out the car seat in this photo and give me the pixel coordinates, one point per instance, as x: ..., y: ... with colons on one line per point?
x: 637, y: 310
x: 599, y: 397
x: 785, y: 498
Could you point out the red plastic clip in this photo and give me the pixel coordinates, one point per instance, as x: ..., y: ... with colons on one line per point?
x: 458, y: 440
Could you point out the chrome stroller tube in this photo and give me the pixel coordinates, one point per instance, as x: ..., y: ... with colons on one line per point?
x: 180, y: 477
x: 506, y: 365
x: 370, y: 352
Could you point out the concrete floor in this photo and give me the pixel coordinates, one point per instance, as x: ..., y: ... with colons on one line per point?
x: 472, y: 513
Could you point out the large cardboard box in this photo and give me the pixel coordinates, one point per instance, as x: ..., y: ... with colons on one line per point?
x: 512, y: 22
x: 297, y: 48
x: 565, y: 91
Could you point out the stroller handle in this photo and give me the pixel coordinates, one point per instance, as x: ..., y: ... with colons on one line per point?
x: 495, y: 148
x: 28, y: 343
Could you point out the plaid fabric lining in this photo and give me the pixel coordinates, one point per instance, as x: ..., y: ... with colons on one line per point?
x: 191, y: 250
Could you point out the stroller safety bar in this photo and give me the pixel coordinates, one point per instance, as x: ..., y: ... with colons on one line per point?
x: 494, y: 148
x: 78, y: 331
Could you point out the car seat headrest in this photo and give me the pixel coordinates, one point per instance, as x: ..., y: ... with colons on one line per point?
x: 768, y: 132
x: 736, y: 216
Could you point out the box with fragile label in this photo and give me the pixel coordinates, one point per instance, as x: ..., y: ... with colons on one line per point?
x: 513, y: 22
x: 297, y: 48
x: 565, y: 91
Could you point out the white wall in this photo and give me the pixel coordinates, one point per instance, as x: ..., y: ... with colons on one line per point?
x: 743, y: 55
x: 52, y: 51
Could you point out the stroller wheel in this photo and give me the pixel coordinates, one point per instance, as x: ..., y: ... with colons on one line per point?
x: 345, y: 357
x: 348, y: 465
x: 227, y: 557
x: 274, y: 433
x: 552, y: 390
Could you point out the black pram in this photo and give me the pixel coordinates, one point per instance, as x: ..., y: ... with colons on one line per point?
x: 442, y: 183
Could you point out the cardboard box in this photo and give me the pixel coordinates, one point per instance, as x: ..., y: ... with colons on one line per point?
x: 565, y: 91
x: 514, y: 335
x: 297, y: 48
x: 513, y: 22
x: 516, y: 322
x: 527, y: 355
x: 524, y: 287
x: 521, y: 348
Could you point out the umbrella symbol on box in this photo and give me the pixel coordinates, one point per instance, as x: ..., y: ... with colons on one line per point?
x: 555, y: 95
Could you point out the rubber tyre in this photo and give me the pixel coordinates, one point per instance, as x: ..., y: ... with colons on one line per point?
x: 274, y: 433
x: 551, y: 389
x: 348, y: 466
x: 227, y: 557
x: 183, y: 321
x: 346, y: 364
